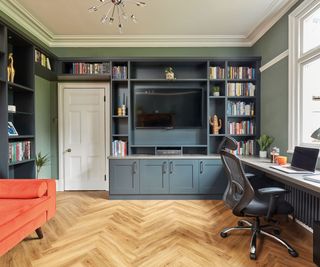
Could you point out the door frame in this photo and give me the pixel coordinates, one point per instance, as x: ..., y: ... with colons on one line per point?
x: 82, y: 85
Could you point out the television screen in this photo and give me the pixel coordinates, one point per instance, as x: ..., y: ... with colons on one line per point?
x: 168, y: 108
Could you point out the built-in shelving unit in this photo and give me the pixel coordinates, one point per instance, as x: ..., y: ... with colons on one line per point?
x: 19, y: 93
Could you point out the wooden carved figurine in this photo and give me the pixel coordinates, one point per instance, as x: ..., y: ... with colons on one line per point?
x: 215, y: 126
x: 10, y: 69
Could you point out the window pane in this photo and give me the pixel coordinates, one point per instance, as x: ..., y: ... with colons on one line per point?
x: 311, y: 31
x: 311, y: 100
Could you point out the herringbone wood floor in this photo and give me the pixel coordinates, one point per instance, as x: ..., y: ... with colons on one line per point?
x: 89, y: 230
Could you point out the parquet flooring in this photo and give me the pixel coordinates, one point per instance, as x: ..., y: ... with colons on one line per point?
x: 89, y: 230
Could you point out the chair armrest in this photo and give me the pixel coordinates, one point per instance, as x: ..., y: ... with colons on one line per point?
x: 272, y: 191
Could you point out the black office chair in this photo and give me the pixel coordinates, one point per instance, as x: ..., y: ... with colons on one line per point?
x: 245, y: 202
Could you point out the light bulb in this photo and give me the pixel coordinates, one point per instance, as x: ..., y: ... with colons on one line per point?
x: 111, y: 20
x: 104, y: 19
x: 93, y: 9
x: 120, y: 27
x: 134, y: 19
x: 142, y: 4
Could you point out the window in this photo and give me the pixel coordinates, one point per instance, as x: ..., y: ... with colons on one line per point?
x: 304, y: 74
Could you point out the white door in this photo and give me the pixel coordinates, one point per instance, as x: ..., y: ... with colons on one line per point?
x: 84, y: 139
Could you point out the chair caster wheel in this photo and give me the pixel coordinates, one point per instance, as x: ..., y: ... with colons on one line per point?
x: 253, y: 256
x: 276, y: 232
x: 240, y: 223
x: 223, y: 235
x: 293, y: 253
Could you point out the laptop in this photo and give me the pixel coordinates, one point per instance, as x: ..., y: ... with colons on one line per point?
x: 304, y: 161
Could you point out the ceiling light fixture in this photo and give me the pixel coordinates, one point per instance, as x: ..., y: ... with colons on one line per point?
x: 116, y: 8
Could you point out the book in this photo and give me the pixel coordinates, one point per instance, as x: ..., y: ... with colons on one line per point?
x: 19, y: 151
x: 48, y: 64
x: 119, y: 148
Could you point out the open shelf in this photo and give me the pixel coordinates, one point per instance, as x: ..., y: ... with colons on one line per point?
x: 19, y: 87
x: 21, y: 137
x: 168, y: 80
x: 21, y: 162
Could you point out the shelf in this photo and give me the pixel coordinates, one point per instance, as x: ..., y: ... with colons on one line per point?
x: 165, y: 80
x: 44, y: 72
x: 217, y: 80
x: 20, y: 137
x: 241, y: 80
x: 240, y: 116
x: 216, y: 135
x: 241, y: 97
x: 18, y: 87
x: 242, y: 135
x: 20, y: 162
x: 119, y: 117
x: 217, y: 97
x: 119, y: 80
x: 84, y: 77
x: 21, y: 113
x: 120, y: 135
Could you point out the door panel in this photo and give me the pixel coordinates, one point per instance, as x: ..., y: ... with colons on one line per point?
x: 84, y: 139
x: 183, y: 176
x: 154, y: 178
x: 124, y: 177
x: 212, y: 177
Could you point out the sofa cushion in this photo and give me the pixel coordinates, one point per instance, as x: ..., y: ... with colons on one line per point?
x: 22, y: 190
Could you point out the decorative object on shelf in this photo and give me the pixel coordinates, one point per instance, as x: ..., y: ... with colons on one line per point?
x: 41, y: 161
x: 12, y: 109
x: 275, y: 152
x: 316, y: 134
x: 119, y: 111
x: 215, y: 125
x: 169, y: 73
x: 116, y: 8
x: 123, y: 110
x: 11, y: 130
x: 215, y: 91
x: 264, y: 143
x: 11, y: 71
x: 281, y: 160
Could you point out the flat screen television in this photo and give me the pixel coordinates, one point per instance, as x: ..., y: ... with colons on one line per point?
x: 168, y: 108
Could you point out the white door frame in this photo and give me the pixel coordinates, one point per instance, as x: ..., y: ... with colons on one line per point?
x: 81, y: 85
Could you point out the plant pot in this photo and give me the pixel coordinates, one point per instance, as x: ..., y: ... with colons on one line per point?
x: 262, y: 154
x: 170, y: 75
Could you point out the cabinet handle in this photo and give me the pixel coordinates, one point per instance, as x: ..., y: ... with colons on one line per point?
x: 134, y: 167
x: 171, y: 167
x: 164, y: 167
x: 201, y: 167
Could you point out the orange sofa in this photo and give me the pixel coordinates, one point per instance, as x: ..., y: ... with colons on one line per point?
x: 25, y: 205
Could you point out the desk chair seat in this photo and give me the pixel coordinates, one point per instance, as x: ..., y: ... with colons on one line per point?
x: 245, y: 202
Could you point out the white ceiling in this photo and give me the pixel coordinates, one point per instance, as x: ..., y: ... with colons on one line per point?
x: 224, y: 21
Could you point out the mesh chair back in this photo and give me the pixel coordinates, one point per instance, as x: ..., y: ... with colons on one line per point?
x: 239, y: 192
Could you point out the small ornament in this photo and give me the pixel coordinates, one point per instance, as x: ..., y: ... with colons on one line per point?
x: 123, y: 110
x: 119, y: 111
x: 215, y: 126
x: 215, y: 91
x: 10, y: 69
x: 169, y: 73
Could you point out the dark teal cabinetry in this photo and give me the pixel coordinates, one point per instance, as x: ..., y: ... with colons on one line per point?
x: 154, y: 178
x: 166, y: 178
x: 183, y: 176
x: 212, y: 179
x: 124, y: 177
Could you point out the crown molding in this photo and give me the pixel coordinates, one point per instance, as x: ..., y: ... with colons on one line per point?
x: 28, y: 22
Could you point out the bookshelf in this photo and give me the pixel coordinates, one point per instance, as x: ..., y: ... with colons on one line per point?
x: 18, y: 93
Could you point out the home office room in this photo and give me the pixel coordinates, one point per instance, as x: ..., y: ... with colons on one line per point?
x: 159, y: 133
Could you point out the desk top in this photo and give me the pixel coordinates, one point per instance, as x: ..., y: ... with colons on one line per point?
x: 287, y: 178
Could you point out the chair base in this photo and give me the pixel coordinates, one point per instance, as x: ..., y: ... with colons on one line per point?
x: 258, y: 229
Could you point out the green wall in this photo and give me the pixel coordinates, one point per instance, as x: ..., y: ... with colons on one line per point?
x: 46, y: 131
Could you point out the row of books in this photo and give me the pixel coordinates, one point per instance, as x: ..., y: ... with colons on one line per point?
x: 240, y: 108
x: 42, y: 59
x: 19, y: 151
x: 90, y: 68
x: 245, y: 148
x: 241, y: 89
x: 119, y: 148
x: 120, y: 72
x: 241, y: 73
x: 217, y: 73
x: 246, y: 127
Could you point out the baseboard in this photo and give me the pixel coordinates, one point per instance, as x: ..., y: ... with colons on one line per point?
x: 302, y: 224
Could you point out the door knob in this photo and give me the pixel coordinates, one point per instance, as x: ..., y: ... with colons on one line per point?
x: 68, y: 150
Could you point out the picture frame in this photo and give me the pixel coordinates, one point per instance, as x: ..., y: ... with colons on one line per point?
x: 11, y: 129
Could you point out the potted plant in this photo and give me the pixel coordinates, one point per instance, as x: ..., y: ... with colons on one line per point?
x: 215, y: 91
x: 169, y: 73
x: 41, y: 161
x: 264, y: 143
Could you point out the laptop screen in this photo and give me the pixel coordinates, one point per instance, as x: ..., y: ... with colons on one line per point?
x: 305, y: 158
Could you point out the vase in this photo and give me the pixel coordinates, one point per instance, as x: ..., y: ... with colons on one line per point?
x: 262, y: 154
x: 170, y: 76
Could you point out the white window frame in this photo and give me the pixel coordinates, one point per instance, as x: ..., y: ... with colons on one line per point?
x: 296, y: 61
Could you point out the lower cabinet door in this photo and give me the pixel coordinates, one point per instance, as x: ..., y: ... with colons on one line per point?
x: 124, y: 177
x: 183, y: 176
x: 212, y: 177
x: 154, y: 177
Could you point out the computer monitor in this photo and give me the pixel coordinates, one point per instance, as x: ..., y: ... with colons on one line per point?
x: 305, y: 158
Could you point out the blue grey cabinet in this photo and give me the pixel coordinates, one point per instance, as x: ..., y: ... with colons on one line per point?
x: 124, y: 176
x: 183, y: 176
x: 212, y: 177
x: 154, y: 177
